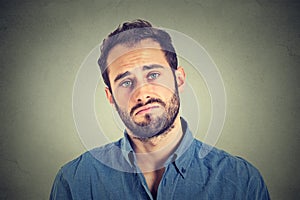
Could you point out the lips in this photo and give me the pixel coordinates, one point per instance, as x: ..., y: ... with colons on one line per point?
x: 145, y: 109
x: 150, y: 104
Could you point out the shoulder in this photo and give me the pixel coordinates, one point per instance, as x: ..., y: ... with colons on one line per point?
x: 215, y: 158
x: 92, y: 161
x: 85, y: 173
x: 225, y: 167
x: 225, y: 175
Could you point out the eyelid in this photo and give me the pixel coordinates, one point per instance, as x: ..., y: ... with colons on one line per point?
x: 154, y: 72
x: 127, y: 79
x: 124, y: 81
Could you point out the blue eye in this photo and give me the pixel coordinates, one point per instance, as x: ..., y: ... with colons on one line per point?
x: 126, y: 84
x: 154, y: 75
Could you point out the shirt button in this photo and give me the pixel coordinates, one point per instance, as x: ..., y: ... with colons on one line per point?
x: 183, y: 170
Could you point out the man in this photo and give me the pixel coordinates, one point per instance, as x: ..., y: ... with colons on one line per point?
x: 158, y: 158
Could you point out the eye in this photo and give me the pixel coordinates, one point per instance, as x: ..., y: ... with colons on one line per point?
x: 153, y: 75
x: 126, y: 83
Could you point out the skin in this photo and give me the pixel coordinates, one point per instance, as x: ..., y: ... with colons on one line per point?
x: 134, y: 84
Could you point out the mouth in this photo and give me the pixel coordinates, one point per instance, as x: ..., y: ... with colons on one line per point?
x: 146, y: 109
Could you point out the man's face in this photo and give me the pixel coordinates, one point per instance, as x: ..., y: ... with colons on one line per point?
x: 144, y: 88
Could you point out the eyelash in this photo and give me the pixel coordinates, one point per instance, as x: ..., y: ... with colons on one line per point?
x: 153, y: 73
x: 124, y: 82
x: 129, y: 83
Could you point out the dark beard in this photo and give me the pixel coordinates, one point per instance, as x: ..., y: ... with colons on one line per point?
x: 152, y: 126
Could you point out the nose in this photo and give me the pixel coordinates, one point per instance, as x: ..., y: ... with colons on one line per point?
x: 142, y: 94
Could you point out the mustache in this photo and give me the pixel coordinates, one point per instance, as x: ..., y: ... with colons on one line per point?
x: 152, y: 100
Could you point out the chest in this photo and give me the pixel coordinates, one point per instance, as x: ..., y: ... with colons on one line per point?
x: 161, y: 184
x: 153, y: 180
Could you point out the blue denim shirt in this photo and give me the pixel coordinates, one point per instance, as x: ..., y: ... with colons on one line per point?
x: 110, y: 172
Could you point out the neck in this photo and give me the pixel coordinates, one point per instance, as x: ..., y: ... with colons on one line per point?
x: 152, y: 153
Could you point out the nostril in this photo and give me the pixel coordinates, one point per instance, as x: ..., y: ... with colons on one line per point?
x: 143, y: 99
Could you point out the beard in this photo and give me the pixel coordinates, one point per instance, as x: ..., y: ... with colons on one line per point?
x: 152, y: 125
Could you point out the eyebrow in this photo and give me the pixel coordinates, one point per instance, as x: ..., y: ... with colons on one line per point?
x: 122, y: 75
x: 149, y: 67
x: 146, y: 67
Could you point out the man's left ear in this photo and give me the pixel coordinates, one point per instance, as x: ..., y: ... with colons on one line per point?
x: 180, y: 78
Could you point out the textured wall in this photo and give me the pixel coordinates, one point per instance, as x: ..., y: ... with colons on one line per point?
x: 255, y: 44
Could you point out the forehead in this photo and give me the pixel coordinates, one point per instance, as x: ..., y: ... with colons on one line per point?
x: 145, y: 52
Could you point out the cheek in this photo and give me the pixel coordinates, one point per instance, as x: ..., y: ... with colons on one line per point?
x: 166, y: 86
x: 122, y: 99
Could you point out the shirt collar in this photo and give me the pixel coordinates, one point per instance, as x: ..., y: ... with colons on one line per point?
x: 181, y: 157
x: 127, y: 150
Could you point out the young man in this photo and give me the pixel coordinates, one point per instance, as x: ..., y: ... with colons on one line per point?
x: 157, y: 158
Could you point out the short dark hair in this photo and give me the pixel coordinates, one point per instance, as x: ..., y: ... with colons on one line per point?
x: 130, y: 33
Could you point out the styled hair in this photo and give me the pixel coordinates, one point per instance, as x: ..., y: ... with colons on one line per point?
x: 131, y: 33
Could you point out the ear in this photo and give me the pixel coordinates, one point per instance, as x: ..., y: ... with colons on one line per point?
x: 109, y: 96
x: 180, y: 78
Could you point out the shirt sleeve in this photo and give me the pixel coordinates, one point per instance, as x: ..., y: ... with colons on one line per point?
x: 257, y: 189
x: 60, y: 188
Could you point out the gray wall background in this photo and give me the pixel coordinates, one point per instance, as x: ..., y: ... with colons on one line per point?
x: 255, y: 44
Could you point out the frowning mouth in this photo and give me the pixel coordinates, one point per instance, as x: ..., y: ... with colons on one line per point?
x: 146, y: 109
x: 152, y: 103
